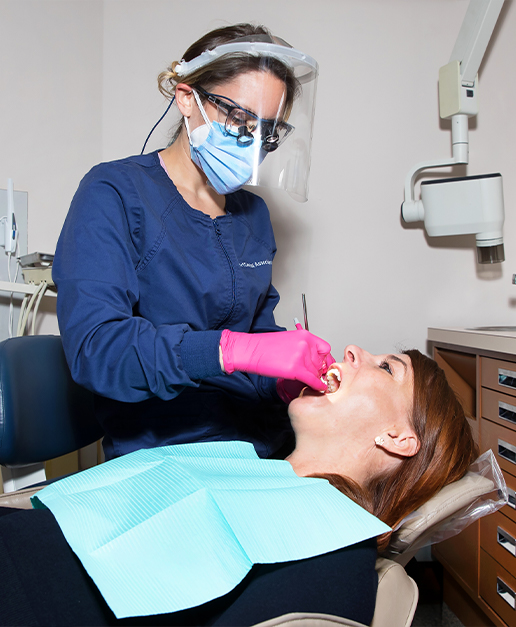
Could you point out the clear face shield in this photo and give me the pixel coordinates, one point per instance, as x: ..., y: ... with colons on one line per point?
x: 263, y: 116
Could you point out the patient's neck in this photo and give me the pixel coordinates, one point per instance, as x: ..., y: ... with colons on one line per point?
x: 313, y: 456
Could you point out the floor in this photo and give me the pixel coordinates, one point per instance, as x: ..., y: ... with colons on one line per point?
x: 431, y: 611
x: 435, y: 616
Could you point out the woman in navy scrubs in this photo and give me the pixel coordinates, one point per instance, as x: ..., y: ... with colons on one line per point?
x: 164, y: 264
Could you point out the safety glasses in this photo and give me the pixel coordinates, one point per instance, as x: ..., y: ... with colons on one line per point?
x: 245, y: 125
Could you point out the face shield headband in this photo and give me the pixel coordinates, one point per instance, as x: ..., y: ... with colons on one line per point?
x: 305, y: 68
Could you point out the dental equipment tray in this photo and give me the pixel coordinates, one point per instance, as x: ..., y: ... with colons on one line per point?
x: 37, y: 268
x: 36, y: 260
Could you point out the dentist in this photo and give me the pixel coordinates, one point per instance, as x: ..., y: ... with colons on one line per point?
x: 163, y: 267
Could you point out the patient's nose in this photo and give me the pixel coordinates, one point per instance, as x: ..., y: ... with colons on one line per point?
x: 353, y: 355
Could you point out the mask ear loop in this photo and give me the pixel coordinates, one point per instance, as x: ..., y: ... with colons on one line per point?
x: 201, y: 108
x: 188, y: 131
x: 203, y: 113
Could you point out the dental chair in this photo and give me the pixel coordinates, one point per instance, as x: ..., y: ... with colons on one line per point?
x: 44, y: 414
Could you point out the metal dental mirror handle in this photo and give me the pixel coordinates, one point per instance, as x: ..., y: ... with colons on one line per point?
x: 305, y: 316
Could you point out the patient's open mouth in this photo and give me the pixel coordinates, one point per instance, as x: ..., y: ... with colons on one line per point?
x: 332, y: 378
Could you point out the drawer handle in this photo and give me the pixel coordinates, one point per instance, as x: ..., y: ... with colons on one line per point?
x: 506, y: 540
x: 512, y: 498
x: 507, y: 451
x: 507, y: 378
x: 507, y: 412
x: 505, y: 592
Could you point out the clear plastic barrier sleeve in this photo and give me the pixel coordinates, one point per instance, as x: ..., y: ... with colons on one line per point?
x: 480, y: 492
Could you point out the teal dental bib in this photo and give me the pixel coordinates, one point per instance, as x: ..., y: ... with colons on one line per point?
x: 164, y: 529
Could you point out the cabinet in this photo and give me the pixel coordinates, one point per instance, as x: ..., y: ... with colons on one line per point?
x: 497, y: 585
x: 480, y: 563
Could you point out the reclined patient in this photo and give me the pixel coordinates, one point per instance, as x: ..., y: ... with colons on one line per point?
x: 389, y: 433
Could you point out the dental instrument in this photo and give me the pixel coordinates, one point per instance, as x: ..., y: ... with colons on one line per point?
x: 471, y: 204
x: 297, y: 324
x: 305, y: 314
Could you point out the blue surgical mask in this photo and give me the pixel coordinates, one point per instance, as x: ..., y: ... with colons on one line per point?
x: 227, y: 165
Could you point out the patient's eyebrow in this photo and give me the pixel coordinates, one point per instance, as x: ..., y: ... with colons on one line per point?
x: 396, y: 358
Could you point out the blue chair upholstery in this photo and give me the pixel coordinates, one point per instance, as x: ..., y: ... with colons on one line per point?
x: 43, y: 413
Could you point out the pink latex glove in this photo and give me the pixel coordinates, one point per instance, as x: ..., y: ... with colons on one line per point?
x: 288, y: 389
x: 297, y: 355
x: 329, y: 357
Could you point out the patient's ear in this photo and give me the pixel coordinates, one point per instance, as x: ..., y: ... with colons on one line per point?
x: 405, y: 443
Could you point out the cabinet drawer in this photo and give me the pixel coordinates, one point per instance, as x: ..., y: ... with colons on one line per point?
x: 502, y: 442
x: 498, y: 538
x: 498, y: 588
x: 499, y: 375
x: 500, y: 408
x: 510, y: 509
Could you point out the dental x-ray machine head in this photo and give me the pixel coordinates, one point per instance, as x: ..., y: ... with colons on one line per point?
x: 471, y: 204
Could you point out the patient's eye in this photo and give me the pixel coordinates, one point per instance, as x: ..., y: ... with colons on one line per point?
x: 386, y: 366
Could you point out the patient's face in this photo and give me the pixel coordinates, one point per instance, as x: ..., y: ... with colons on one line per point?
x: 374, y: 391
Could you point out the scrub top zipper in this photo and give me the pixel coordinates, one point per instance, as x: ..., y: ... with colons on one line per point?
x: 233, y: 297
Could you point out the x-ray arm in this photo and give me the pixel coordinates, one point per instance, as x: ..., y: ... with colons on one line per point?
x: 457, y: 92
x: 474, y: 36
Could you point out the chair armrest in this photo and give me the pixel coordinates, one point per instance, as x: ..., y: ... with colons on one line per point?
x: 305, y: 619
x: 396, y: 602
x: 397, y: 596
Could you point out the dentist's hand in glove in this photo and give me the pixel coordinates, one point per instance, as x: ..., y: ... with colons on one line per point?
x: 295, y: 355
x: 288, y: 389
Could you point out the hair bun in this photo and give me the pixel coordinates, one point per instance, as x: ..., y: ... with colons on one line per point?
x: 173, y: 73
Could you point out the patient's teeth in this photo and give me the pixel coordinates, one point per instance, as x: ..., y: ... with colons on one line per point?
x: 334, y: 373
x: 333, y: 379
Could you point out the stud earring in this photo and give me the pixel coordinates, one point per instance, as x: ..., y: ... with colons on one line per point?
x: 379, y: 440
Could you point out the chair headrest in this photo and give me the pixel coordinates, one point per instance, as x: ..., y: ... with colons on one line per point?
x: 481, y: 491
